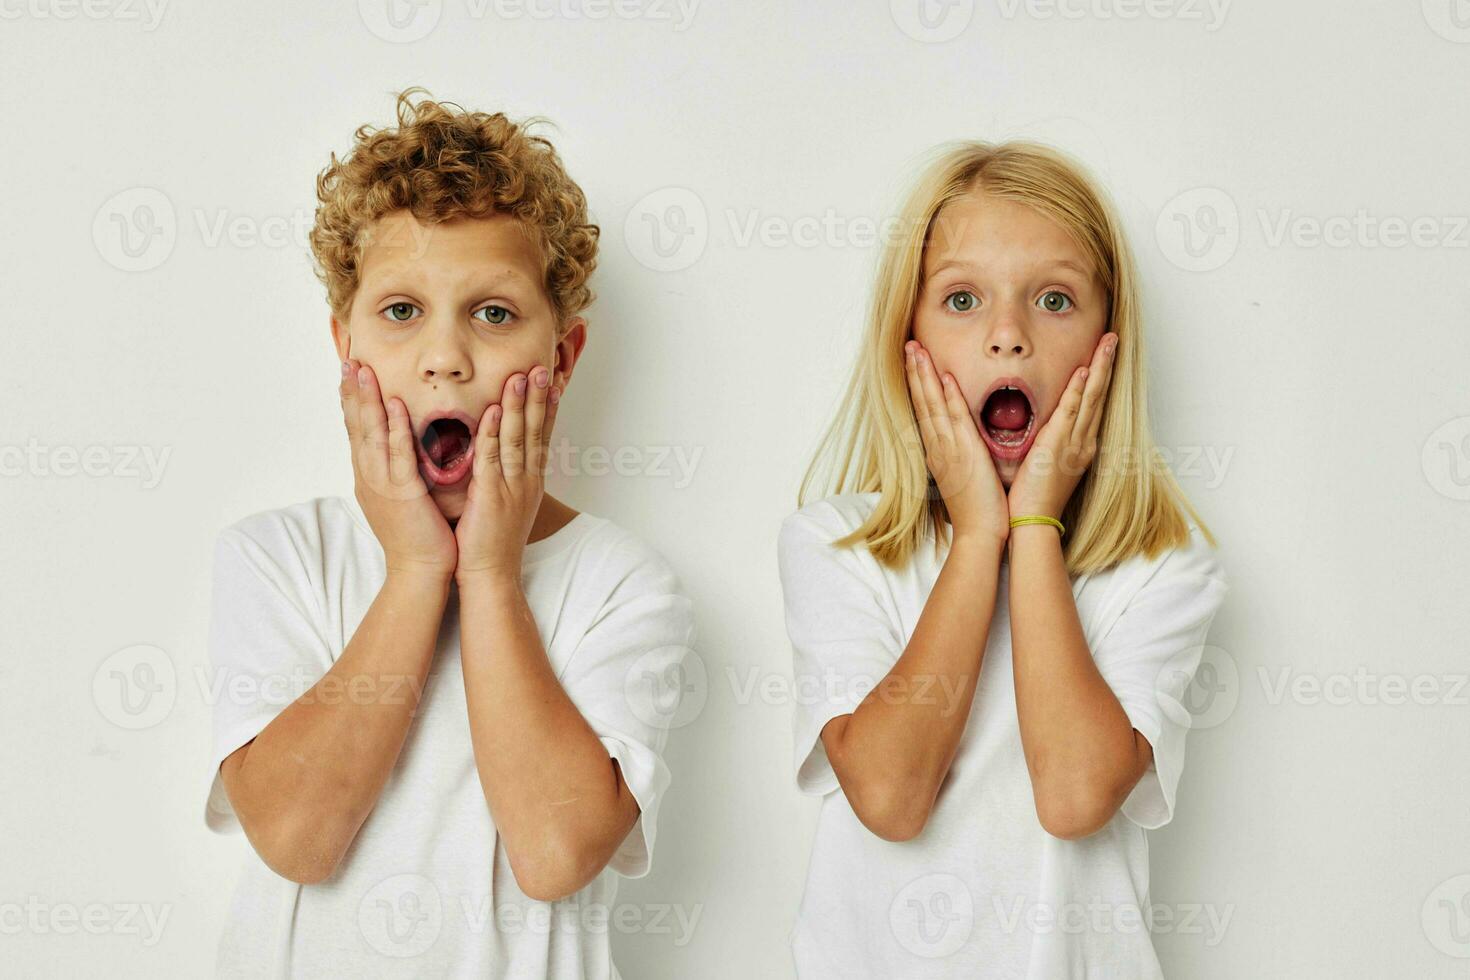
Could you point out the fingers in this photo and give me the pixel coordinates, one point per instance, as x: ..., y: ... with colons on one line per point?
x: 513, y: 426
x: 403, y: 460
x: 934, y: 396
x: 1071, y: 403
x: 933, y: 419
x: 486, y: 464
x: 372, y: 428
x: 538, y: 405
x: 1101, y: 380
x: 347, y: 391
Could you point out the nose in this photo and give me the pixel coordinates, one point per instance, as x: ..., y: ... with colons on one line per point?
x: 1007, y: 334
x: 444, y: 355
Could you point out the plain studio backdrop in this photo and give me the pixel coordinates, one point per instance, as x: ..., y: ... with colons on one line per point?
x: 1293, y: 180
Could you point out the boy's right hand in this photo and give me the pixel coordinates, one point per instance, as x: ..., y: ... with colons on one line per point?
x: 410, y: 527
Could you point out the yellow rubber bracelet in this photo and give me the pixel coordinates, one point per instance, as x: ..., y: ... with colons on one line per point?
x: 1038, y: 519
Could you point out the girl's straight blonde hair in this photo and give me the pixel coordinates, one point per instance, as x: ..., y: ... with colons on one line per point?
x: 1127, y: 503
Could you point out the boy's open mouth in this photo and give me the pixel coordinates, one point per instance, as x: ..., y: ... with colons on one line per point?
x: 445, y: 450
x: 1008, y: 422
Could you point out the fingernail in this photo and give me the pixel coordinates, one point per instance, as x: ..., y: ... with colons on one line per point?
x: 362, y: 375
x: 541, y: 374
x: 345, y: 368
x: 520, y: 386
x: 554, y: 396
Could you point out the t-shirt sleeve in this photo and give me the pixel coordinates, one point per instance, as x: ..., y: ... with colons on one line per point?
x: 1149, y: 658
x: 627, y: 675
x: 265, y: 650
x: 843, y: 641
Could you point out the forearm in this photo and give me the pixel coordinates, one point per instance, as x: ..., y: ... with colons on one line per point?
x: 303, y: 787
x: 557, y: 798
x: 893, y: 752
x: 1080, y: 747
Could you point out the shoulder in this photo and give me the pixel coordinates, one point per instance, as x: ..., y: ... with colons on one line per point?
x: 1192, y: 567
x: 1195, y: 558
x: 300, y: 529
x: 830, y: 518
x: 616, y: 559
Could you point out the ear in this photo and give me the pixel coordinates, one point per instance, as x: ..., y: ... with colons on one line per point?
x: 568, y: 349
x: 341, y: 339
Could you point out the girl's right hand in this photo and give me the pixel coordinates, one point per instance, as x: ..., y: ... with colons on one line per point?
x: 410, y: 527
x: 954, y: 452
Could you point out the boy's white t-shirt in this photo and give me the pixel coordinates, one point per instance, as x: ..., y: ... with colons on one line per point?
x: 983, y: 890
x: 425, y: 888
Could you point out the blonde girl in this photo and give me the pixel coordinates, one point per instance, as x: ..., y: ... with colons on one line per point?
x: 997, y: 611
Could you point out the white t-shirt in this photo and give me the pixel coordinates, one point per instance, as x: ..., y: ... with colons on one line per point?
x: 983, y: 890
x: 425, y: 888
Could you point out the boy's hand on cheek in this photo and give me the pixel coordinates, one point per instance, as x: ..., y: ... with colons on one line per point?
x: 508, y: 479
x: 408, y: 524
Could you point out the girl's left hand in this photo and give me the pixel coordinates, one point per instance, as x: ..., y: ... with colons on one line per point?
x: 508, y: 478
x: 1067, y: 443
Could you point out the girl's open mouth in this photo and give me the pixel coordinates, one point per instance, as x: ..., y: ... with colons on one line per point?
x: 445, y: 451
x: 1008, y: 423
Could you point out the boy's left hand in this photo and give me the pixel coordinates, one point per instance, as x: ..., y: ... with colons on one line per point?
x: 1067, y: 443
x: 508, y: 478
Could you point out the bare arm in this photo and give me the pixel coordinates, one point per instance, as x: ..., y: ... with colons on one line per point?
x: 891, y: 755
x: 1083, y: 753
x: 305, y: 784
x: 558, y: 799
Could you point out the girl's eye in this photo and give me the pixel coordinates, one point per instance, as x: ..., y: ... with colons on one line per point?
x: 961, y: 301
x: 497, y: 315
x: 401, y: 312
x: 1056, y: 302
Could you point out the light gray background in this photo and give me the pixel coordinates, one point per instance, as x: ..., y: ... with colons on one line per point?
x: 1311, y: 389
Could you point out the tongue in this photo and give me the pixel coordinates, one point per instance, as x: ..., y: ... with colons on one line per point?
x: 446, y: 443
x: 1007, y: 410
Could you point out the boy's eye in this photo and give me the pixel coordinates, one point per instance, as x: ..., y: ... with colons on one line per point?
x: 400, y: 312
x: 497, y: 315
x: 961, y: 301
x: 1056, y: 302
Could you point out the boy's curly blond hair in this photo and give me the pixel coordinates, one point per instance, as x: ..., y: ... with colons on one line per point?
x: 441, y: 163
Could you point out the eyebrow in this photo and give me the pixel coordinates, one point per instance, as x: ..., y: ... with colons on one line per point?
x: 394, y: 281
x: 970, y: 266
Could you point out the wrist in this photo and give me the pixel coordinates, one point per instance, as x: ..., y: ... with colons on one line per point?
x: 420, y: 576
x: 986, y: 544
x: 492, y: 577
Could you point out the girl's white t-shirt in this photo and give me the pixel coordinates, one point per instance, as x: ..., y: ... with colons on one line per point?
x: 425, y: 888
x: 983, y: 890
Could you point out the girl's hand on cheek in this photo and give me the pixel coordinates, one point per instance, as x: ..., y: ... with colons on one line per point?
x: 408, y: 524
x: 953, y: 450
x: 508, y: 478
x: 1067, y: 443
